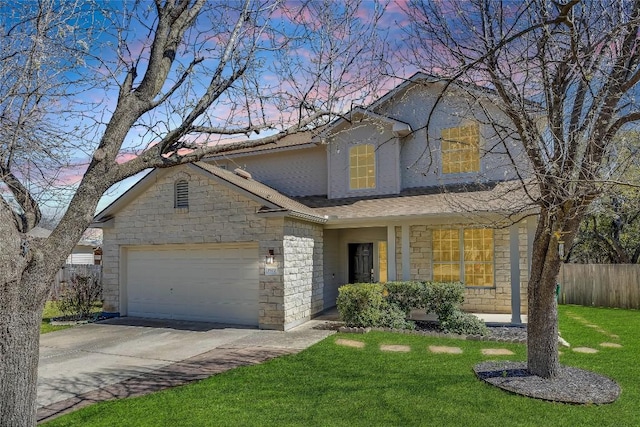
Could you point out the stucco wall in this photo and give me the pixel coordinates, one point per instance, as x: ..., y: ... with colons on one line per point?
x: 332, y: 266
x: 398, y: 234
x: 387, y: 156
x: 216, y: 214
x: 420, y: 161
x: 295, y: 172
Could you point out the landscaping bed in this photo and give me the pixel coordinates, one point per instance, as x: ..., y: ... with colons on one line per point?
x: 509, y: 334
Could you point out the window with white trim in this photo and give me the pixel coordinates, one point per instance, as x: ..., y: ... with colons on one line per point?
x: 465, y: 255
x: 181, y: 194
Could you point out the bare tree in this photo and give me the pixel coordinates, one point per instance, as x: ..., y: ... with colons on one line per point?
x: 188, y: 75
x: 565, y: 73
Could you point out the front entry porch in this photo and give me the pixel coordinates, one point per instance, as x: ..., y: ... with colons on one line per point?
x: 413, y: 250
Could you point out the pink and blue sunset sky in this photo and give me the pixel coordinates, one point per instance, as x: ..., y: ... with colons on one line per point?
x: 390, y: 26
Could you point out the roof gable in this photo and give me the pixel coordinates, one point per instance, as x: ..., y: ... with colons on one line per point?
x: 398, y: 127
x: 271, y: 200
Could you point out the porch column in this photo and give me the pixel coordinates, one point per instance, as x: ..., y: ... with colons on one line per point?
x: 391, y: 253
x: 406, y: 253
x: 514, y: 255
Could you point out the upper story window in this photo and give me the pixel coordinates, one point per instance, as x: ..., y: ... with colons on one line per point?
x: 181, y: 194
x: 464, y: 255
x: 461, y: 149
x: 362, y: 167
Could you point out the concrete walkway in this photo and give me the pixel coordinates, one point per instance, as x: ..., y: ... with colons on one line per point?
x: 131, y: 357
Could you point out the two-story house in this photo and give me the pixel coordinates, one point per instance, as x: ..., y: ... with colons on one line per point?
x: 265, y: 236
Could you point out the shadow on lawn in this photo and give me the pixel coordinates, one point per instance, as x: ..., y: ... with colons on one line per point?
x: 132, y: 382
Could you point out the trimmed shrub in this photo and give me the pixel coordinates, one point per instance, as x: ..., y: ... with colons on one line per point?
x: 365, y: 305
x: 360, y: 303
x: 389, y: 304
x: 394, y: 317
x: 443, y: 298
x: 459, y: 322
x: 406, y: 295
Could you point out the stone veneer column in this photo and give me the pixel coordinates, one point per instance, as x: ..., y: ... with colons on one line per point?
x: 303, y: 278
x: 271, y: 288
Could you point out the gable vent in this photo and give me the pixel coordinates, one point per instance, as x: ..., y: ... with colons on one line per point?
x: 242, y: 173
x: 182, y: 194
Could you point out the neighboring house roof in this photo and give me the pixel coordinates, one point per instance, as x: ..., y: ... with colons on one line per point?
x: 273, y: 201
x: 506, y: 198
x: 90, y: 238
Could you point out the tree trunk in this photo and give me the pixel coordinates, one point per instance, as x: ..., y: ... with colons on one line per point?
x: 19, y: 351
x: 542, y: 324
x: 21, y: 304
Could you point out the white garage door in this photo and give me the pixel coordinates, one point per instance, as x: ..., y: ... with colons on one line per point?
x: 212, y: 283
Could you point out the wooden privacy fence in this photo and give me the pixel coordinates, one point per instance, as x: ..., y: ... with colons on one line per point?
x: 601, y: 285
x: 65, y: 273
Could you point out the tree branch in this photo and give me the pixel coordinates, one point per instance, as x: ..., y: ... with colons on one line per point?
x: 31, y: 215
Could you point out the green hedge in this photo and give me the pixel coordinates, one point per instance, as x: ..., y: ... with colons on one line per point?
x: 365, y: 304
x: 388, y: 305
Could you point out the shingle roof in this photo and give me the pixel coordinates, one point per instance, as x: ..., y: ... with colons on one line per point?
x: 293, y: 140
x: 506, y: 198
x: 277, y: 200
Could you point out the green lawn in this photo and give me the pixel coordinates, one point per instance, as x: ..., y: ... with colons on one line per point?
x: 50, y: 311
x: 331, y: 385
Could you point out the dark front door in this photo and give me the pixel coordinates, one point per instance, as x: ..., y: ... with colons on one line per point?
x: 360, y: 262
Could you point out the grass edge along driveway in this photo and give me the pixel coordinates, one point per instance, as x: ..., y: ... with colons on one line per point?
x: 337, y: 385
x: 50, y: 311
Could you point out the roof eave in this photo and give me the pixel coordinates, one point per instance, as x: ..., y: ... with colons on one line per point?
x: 276, y: 149
x: 106, y: 223
x: 398, y: 128
x: 275, y: 213
x: 253, y: 196
x: 441, y: 217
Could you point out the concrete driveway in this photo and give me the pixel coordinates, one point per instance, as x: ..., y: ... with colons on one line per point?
x: 127, y: 356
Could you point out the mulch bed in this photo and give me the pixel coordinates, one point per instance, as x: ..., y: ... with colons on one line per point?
x: 507, y: 334
x: 571, y: 385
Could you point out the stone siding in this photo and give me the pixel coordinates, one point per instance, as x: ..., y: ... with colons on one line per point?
x: 217, y: 214
x: 421, y: 252
x: 495, y: 299
x: 498, y: 298
x: 302, y: 271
